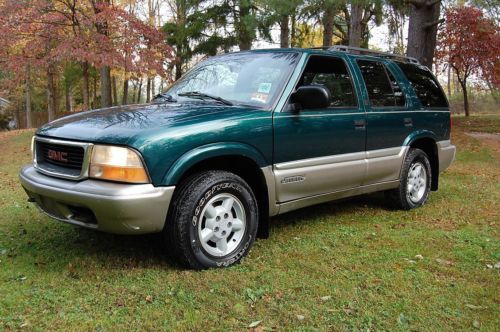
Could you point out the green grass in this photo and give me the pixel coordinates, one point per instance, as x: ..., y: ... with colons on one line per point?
x: 342, y: 266
x: 478, y: 123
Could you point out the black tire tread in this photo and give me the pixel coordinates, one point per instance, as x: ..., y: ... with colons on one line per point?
x: 397, y: 197
x: 177, y: 228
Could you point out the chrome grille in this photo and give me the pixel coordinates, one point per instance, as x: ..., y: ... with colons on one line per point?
x: 59, y: 158
x: 73, y: 155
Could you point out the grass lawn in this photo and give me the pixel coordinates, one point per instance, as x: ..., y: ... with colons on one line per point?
x: 347, y: 265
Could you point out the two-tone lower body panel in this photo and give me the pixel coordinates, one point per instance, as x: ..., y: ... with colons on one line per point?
x: 105, y: 206
x: 307, y: 182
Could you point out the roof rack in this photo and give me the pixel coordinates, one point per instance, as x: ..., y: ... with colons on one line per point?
x: 365, y: 51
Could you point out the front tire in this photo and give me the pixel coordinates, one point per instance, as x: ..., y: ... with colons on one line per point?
x: 213, y: 220
x: 415, y: 181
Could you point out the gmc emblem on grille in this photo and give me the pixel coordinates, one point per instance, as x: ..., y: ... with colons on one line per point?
x: 57, y: 155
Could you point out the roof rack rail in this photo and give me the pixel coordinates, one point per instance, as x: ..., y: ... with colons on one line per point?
x: 365, y: 51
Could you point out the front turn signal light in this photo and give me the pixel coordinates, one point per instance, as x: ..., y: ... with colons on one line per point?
x: 116, y: 163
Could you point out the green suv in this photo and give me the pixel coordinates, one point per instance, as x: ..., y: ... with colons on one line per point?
x: 242, y: 137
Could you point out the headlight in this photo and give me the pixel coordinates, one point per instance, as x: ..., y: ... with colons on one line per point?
x: 116, y: 163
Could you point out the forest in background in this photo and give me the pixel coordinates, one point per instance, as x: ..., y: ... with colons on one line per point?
x: 62, y: 56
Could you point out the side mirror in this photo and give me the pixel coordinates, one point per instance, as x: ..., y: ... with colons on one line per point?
x: 312, y: 96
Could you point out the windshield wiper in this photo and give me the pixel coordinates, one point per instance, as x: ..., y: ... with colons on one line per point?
x: 164, y: 97
x: 201, y: 95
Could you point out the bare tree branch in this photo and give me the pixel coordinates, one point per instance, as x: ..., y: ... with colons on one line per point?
x: 431, y: 24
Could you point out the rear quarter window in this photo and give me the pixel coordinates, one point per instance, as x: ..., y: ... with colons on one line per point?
x: 425, y: 85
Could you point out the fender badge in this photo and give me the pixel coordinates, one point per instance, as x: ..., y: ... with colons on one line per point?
x: 292, y: 179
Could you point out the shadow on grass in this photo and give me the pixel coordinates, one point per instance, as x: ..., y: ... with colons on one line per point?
x: 312, y: 214
x: 66, y: 243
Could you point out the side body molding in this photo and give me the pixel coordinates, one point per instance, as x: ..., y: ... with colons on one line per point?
x: 304, y: 178
x: 208, y: 151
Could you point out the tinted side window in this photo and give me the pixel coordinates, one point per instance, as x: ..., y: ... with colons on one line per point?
x: 425, y: 85
x: 398, y: 93
x: 377, y: 83
x: 333, y: 74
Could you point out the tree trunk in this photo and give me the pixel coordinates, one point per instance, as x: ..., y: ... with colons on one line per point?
x: 51, y: 92
x: 125, y: 92
x: 67, y: 98
x: 106, y: 100
x: 139, y: 91
x: 355, y: 26
x: 463, y: 84
x: 113, y: 88
x: 449, y: 80
x: 422, y: 30
x: 178, y: 69
x: 29, y: 124
x: 328, y: 24
x: 160, y: 88
x: 85, y: 85
x: 148, y: 90
x: 94, y: 97
x: 102, y: 28
x: 293, y: 30
x: 243, y: 29
x: 284, y: 32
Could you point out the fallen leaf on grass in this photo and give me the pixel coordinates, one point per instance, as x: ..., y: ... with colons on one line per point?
x: 348, y: 311
x: 255, y: 324
x: 325, y: 298
x: 301, y: 317
x: 476, y: 324
x: 444, y: 262
x: 419, y: 257
x: 149, y: 299
x: 471, y: 306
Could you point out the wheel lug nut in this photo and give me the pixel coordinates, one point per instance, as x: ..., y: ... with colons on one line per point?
x: 226, y: 215
x: 223, y: 232
x: 217, y: 218
x: 216, y: 229
x: 229, y: 224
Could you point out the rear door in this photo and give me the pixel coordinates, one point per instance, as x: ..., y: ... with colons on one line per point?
x: 318, y: 151
x: 389, y: 121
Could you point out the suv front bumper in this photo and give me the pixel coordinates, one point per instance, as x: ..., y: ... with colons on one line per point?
x: 110, y: 207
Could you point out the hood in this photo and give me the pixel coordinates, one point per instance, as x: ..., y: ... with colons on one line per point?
x: 122, y: 124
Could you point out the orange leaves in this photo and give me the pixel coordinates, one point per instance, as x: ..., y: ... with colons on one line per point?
x: 43, y: 31
x: 470, y: 43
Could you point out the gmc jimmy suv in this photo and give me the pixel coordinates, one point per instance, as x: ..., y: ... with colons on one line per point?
x: 242, y: 137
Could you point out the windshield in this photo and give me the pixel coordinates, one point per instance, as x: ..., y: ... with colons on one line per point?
x: 254, y: 79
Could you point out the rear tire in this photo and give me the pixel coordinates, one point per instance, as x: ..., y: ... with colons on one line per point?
x: 415, y: 182
x: 212, y: 222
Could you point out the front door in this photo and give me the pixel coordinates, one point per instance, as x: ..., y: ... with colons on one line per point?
x: 319, y: 151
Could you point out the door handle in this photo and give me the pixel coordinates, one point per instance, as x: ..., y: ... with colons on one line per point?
x: 408, y: 122
x: 359, y: 124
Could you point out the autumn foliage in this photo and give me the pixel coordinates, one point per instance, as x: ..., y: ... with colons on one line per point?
x: 470, y: 44
x: 48, y: 34
x: 43, y: 31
